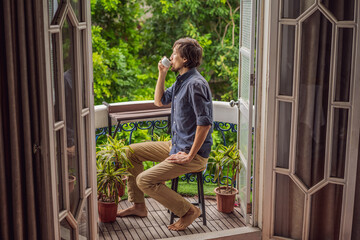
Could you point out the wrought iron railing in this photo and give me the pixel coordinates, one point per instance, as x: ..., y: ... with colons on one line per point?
x: 151, y: 126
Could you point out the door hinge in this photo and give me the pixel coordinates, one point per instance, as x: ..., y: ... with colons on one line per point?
x: 36, y: 148
x: 252, y: 79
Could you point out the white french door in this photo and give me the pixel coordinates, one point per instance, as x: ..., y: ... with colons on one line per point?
x: 314, y: 137
x: 71, y: 112
x: 245, y: 102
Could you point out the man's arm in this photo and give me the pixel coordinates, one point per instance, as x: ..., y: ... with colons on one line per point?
x: 160, y: 85
x: 200, y: 136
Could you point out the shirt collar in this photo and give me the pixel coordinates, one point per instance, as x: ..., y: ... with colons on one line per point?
x: 186, y: 75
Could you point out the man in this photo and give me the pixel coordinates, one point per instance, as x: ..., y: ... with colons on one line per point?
x: 191, y: 127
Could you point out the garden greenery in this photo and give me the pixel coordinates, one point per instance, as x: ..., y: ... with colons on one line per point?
x: 130, y: 36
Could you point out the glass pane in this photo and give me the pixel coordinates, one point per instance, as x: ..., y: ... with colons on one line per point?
x: 84, y: 229
x: 294, y: 8
x: 289, y: 208
x: 313, y: 99
x: 343, y: 63
x: 242, y: 190
x: 246, y: 24
x: 340, y: 129
x: 245, y: 78
x: 66, y: 231
x: 83, y: 64
x: 244, y: 133
x: 287, y: 60
x: 76, y: 6
x: 85, y: 131
x: 55, y: 76
x: 53, y: 7
x: 59, y: 172
x: 342, y: 10
x: 283, y: 134
x: 70, y: 107
x: 325, y: 214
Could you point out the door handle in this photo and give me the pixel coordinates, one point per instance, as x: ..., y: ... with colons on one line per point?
x: 233, y: 103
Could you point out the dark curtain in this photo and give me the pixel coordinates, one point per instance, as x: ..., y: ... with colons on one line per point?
x: 21, y: 195
x: 312, y: 125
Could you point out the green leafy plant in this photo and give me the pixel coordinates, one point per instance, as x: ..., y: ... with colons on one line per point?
x: 162, y: 137
x: 114, y: 150
x: 225, y: 162
x: 112, y: 165
x: 109, y: 180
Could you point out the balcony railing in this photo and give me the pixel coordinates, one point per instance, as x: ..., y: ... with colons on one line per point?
x: 225, y: 119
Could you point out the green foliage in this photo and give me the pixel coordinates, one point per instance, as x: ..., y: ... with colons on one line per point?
x: 108, y: 181
x: 129, y: 38
x: 116, y: 43
x: 112, y: 164
x: 114, y: 150
x: 213, y: 23
x: 225, y: 161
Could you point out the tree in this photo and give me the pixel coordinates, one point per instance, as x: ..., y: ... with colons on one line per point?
x: 214, y: 23
x: 116, y: 43
x: 129, y: 38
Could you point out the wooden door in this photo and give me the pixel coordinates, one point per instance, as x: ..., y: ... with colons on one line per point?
x: 314, y: 137
x: 72, y: 115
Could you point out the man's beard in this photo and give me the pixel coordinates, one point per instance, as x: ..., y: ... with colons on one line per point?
x: 175, y: 69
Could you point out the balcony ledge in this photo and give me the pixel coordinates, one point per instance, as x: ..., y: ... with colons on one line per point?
x: 222, y: 113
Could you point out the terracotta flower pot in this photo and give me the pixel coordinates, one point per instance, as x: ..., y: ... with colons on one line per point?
x: 121, y: 188
x: 71, y: 182
x: 107, y: 211
x: 225, y: 200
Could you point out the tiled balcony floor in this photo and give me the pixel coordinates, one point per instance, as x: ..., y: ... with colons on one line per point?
x: 154, y: 226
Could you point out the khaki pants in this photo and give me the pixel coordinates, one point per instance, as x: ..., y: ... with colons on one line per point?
x: 151, y: 180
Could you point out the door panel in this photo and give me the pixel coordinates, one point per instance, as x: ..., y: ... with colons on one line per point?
x: 245, y: 101
x: 70, y: 72
x: 312, y: 192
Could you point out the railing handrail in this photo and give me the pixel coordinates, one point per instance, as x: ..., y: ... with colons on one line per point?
x: 222, y: 112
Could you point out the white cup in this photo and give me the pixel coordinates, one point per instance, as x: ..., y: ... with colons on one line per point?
x: 166, y: 62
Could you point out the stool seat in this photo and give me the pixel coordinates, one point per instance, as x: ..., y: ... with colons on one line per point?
x: 200, y: 187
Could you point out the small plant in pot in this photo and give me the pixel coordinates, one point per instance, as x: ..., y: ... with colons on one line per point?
x: 225, y: 163
x: 71, y: 180
x: 115, y: 150
x: 112, y: 167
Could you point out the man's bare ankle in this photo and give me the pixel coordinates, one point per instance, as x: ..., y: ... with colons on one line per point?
x: 139, y: 205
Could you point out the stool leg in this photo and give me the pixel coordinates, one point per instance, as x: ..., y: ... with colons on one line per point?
x: 174, y: 186
x: 198, y: 188
x: 201, y: 197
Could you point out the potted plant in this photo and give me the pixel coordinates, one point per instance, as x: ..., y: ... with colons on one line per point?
x: 112, y: 167
x: 115, y: 150
x: 225, y: 163
x: 71, y: 180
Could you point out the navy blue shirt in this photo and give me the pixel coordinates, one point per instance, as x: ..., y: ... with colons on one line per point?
x: 191, y: 106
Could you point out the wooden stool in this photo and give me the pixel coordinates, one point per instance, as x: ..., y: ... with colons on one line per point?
x: 200, y: 203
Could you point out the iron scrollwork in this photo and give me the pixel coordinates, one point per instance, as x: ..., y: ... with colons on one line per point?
x: 131, y: 127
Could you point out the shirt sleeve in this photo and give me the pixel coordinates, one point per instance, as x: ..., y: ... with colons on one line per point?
x: 200, y: 96
x: 167, y: 96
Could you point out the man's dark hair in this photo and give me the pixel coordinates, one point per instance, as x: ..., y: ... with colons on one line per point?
x: 191, y: 50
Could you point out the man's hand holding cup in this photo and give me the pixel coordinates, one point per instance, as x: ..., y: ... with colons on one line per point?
x: 164, y: 65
